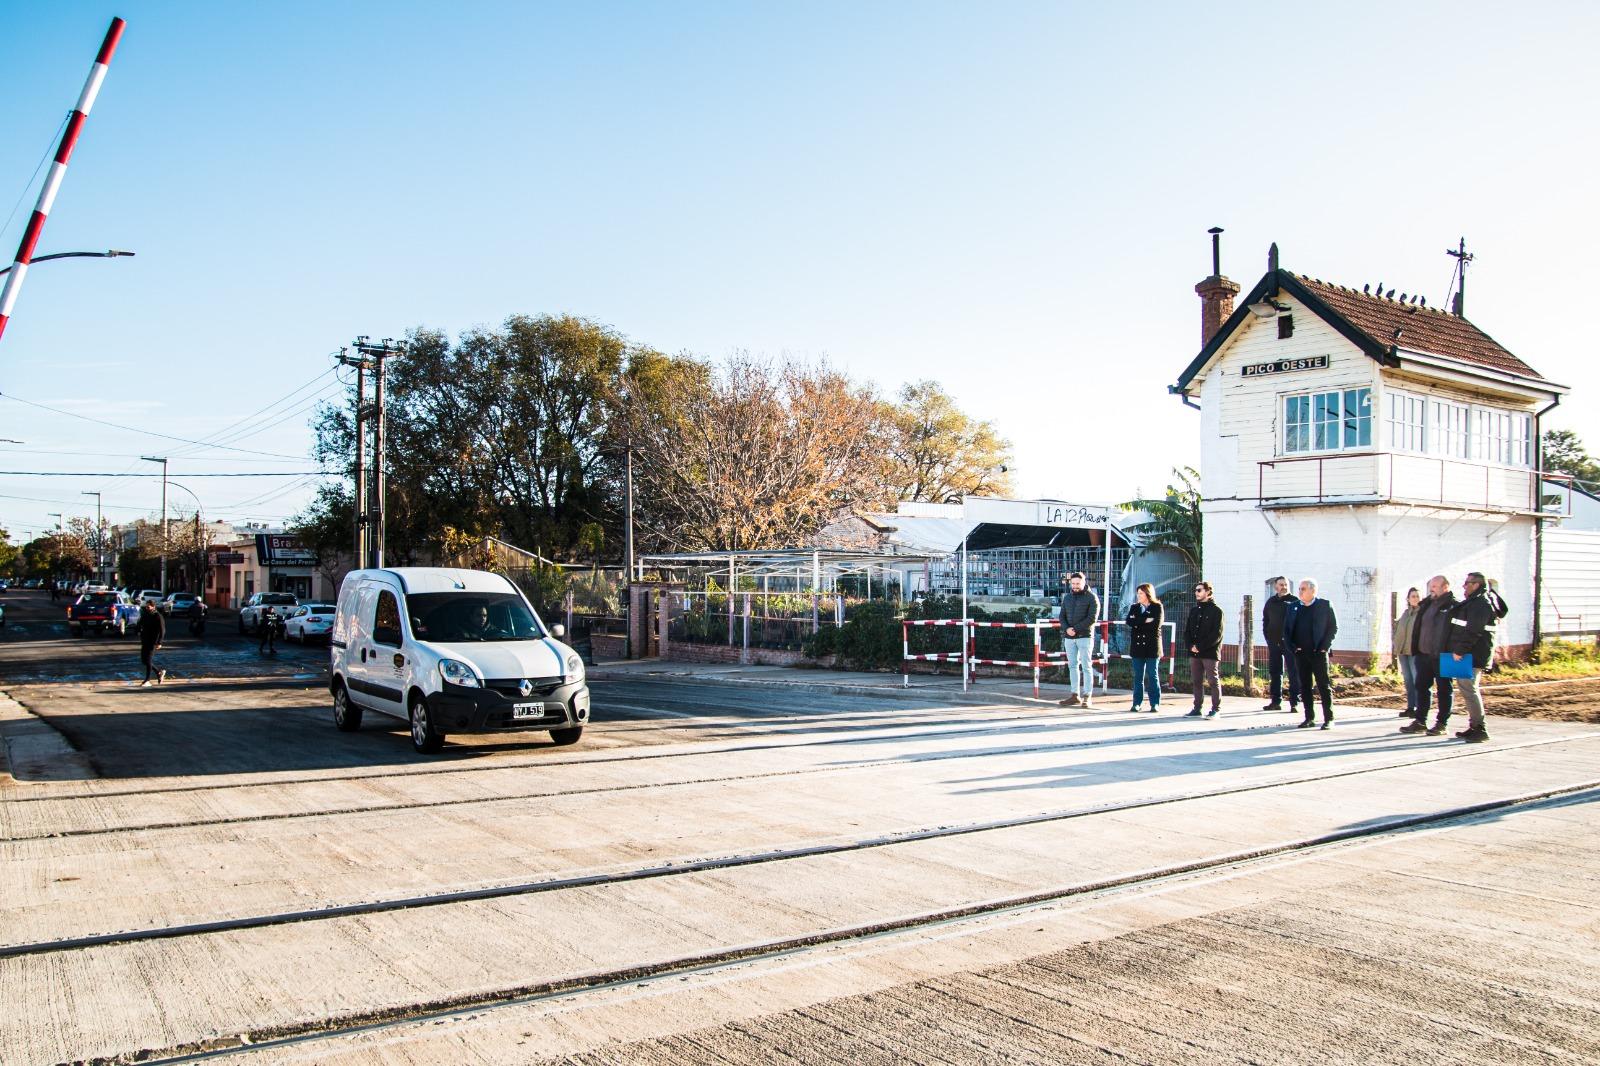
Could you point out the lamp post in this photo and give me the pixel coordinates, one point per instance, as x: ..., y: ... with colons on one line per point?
x: 99, y: 540
x: 163, y: 461
x: 110, y: 253
x: 199, y: 546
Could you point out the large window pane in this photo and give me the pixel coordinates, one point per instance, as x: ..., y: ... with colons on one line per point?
x: 1296, y: 424
x: 1325, y: 421
x: 1357, y: 418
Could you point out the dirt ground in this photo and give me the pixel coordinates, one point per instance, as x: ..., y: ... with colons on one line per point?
x: 1566, y: 700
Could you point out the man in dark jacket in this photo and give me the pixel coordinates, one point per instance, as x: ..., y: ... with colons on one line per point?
x: 1430, y: 634
x: 1472, y: 632
x: 1080, y: 610
x: 1202, y: 634
x: 1278, y: 657
x: 152, y: 631
x: 1311, y: 629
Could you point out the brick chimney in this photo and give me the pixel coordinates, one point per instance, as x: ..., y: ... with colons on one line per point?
x: 1216, y: 293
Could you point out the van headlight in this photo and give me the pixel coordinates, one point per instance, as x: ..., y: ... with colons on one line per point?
x: 455, y: 672
x: 574, y: 667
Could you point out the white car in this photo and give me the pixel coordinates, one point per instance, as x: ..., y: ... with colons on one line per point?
x: 451, y: 651
x: 260, y: 605
x: 148, y: 596
x: 314, y: 620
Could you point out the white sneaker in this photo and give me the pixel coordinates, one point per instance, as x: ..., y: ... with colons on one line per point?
x: 145, y: 683
x: 161, y: 676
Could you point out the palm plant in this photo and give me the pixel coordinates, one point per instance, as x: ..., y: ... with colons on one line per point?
x: 1174, y: 520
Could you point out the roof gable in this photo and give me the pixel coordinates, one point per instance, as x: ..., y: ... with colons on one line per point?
x: 1370, y: 323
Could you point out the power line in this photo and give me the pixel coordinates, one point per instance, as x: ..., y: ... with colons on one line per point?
x: 186, y: 475
x: 228, y: 433
x: 146, y: 432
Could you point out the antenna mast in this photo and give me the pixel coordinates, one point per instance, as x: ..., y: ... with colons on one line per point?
x: 1462, y: 258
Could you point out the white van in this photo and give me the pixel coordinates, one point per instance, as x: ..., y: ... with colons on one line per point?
x: 451, y: 651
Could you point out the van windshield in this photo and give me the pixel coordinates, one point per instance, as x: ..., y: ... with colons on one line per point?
x: 454, y: 617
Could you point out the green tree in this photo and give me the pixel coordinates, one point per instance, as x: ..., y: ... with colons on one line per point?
x: 1564, y: 453
x: 1174, y: 520
x: 10, y: 554
x: 938, y: 452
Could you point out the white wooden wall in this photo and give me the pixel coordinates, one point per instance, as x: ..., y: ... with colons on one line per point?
x: 1571, y: 601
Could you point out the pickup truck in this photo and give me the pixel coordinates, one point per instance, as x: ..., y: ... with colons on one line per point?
x: 101, y: 611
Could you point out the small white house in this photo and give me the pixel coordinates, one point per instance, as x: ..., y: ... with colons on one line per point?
x: 1367, y: 441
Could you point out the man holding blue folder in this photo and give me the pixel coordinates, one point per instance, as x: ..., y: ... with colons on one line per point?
x: 1471, y: 650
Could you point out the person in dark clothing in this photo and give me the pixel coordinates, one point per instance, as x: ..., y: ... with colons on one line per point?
x: 268, y: 645
x: 1429, y: 636
x: 1280, y: 660
x: 152, y: 631
x: 1311, y: 629
x: 1144, y: 646
x: 1202, y: 633
x: 1472, y: 632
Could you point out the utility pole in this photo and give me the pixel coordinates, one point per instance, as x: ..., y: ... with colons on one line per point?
x: 627, y: 505
x: 99, y: 541
x: 371, y: 512
x: 163, y: 462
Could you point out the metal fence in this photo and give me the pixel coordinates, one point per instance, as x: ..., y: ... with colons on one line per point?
x: 776, y: 620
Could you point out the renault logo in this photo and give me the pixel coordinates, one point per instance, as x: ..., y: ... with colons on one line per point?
x: 526, y: 688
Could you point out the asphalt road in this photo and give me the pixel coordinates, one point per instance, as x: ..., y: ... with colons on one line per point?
x: 730, y: 873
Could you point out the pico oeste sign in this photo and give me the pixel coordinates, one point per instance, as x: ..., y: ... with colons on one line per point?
x: 1284, y: 366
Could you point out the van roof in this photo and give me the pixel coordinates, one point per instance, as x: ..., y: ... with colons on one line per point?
x: 442, y: 579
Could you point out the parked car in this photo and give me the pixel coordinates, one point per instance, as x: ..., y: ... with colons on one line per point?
x: 101, y: 611
x: 256, y: 607
x: 309, y: 620
x: 451, y: 651
x: 147, y: 596
x: 178, y: 604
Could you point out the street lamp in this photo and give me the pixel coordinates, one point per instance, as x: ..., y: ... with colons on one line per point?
x: 111, y: 253
x: 99, y: 541
x: 162, y: 460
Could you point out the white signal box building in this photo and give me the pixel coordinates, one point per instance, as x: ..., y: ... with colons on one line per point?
x: 1367, y: 441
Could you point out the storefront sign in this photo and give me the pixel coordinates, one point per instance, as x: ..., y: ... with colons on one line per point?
x: 274, y: 550
x: 227, y: 558
x: 1284, y: 366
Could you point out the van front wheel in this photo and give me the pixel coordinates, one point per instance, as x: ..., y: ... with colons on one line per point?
x: 564, y: 737
x: 424, y: 737
x: 346, y: 715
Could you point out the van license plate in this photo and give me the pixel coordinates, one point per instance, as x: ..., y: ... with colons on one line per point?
x: 527, y: 710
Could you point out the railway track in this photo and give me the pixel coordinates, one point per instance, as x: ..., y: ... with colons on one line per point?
x: 310, y: 1032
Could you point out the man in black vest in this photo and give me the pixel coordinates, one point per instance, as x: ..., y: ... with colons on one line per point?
x: 1472, y: 632
x: 1279, y: 659
x: 1311, y: 630
x: 1432, y: 636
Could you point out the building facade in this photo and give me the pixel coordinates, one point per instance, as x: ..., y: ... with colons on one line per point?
x: 1369, y: 442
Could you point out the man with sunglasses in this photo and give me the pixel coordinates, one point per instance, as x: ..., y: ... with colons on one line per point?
x: 1309, y: 632
x: 1202, y: 632
x: 1472, y: 632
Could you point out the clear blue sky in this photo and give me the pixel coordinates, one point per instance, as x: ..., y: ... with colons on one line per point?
x: 1009, y: 198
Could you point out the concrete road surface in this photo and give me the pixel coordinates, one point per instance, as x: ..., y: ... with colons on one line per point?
x: 730, y: 873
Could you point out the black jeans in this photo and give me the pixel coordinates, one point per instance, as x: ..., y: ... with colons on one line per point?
x: 147, y: 656
x: 1313, y: 667
x: 1428, y: 682
x: 1280, y: 663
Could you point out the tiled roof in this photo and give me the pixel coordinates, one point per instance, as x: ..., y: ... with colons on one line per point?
x: 1423, y: 329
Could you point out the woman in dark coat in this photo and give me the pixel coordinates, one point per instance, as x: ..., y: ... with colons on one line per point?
x: 152, y: 630
x: 1144, y: 646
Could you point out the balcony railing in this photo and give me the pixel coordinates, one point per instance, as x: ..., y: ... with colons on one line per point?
x: 1399, y: 477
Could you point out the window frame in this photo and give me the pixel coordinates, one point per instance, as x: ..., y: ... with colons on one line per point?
x: 1320, y: 420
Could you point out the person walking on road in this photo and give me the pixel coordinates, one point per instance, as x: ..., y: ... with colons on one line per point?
x: 1429, y: 639
x: 1311, y: 629
x: 1202, y: 632
x: 1403, y: 643
x: 1144, y: 646
x: 1472, y: 632
x: 1080, y: 609
x: 1280, y: 661
x: 152, y: 631
x: 269, y: 632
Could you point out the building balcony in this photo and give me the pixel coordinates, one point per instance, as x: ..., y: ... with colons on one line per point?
x: 1346, y: 478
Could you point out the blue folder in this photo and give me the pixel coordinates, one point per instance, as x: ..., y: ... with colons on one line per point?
x: 1449, y: 666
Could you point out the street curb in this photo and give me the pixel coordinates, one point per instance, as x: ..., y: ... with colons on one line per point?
x: 32, y: 750
x: 920, y: 695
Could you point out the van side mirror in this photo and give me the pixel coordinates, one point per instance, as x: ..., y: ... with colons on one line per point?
x: 558, y: 630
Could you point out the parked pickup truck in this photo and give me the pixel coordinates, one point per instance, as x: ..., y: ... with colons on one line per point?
x: 102, y: 611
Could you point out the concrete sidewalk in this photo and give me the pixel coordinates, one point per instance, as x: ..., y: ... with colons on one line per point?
x: 986, y: 690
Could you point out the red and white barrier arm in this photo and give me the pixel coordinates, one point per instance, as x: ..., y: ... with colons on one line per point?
x: 58, y: 170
